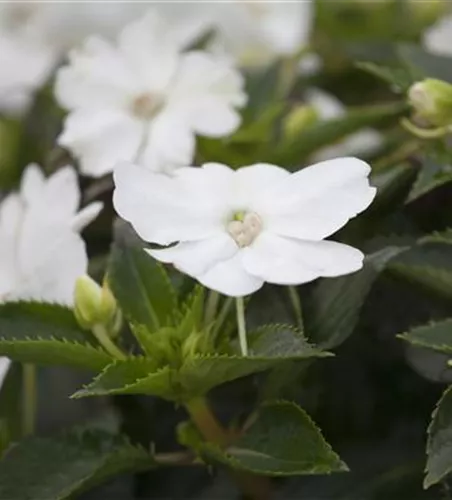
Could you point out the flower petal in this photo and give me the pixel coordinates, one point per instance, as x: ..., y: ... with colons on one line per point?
x: 32, y: 183
x: 230, y: 278
x: 86, y: 216
x: 287, y: 261
x: 317, y: 201
x: 165, y: 209
x: 197, y: 257
x: 100, y: 138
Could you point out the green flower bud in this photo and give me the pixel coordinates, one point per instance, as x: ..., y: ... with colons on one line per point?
x: 94, y: 304
x: 300, y: 118
x: 432, y: 101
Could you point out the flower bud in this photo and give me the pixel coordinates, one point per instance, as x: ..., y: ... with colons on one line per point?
x: 300, y: 118
x: 432, y: 101
x: 94, y: 304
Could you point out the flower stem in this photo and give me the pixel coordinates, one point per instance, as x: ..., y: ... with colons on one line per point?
x: 211, y: 307
x: 240, y: 307
x: 105, y: 341
x: 29, y: 399
x: 296, y: 305
x: 253, y: 487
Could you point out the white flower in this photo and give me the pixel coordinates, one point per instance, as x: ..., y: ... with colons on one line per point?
x: 438, y: 38
x: 329, y: 108
x: 41, y: 250
x: 255, y: 32
x: 144, y: 100
x: 236, y: 230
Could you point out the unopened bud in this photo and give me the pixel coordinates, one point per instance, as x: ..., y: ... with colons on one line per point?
x: 94, y: 304
x: 299, y: 119
x: 432, y: 101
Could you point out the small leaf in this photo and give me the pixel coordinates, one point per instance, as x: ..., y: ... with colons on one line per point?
x: 432, y: 174
x: 48, y: 334
x: 436, y: 336
x: 428, y: 264
x: 400, y: 78
x: 60, y: 467
x: 141, y: 286
x: 281, y: 441
x: 331, y: 308
x: 439, y: 449
x: 324, y: 133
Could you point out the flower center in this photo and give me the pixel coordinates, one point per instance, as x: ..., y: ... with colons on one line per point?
x: 146, y: 106
x: 244, y: 228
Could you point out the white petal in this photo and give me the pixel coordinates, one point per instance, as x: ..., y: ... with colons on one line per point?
x: 5, y: 363
x: 97, y: 76
x: 165, y: 209
x: 230, y: 278
x: 197, y: 257
x: 318, y: 200
x: 170, y: 144
x: 51, y: 259
x: 151, y: 50
x: 32, y: 183
x: 438, y: 37
x: 288, y: 261
x: 101, y: 138
x: 86, y: 216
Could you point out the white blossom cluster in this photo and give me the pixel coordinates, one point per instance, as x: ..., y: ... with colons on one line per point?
x: 137, y: 94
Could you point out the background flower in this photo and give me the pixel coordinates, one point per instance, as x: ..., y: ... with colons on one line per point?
x: 237, y: 229
x: 438, y: 38
x: 145, y: 100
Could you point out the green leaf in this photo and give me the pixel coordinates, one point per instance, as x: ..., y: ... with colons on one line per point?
x: 325, y: 133
x: 439, y: 449
x: 331, y: 308
x: 47, y: 334
x: 201, y: 373
x: 436, y: 336
x: 282, y: 440
x: 141, y: 286
x: 432, y: 174
x: 428, y: 264
x: 60, y: 467
x: 400, y: 78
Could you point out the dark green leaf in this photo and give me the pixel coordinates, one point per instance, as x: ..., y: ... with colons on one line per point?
x: 47, y: 334
x: 60, y: 467
x: 141, y: 286
x: 400, y: 78
x: 282, y: 440
x: 432, y: 174
x: 439, y: 449
x: 325, y: 133
x: 437, y: 336
x: 331, y: 308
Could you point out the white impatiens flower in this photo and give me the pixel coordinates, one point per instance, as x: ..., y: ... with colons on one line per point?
x: 329, y: 107
x: 41, y: 250
x: 145, y: 100
x: 236, y: 230
x: 438, y: 38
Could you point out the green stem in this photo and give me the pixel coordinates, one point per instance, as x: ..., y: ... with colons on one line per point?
x: 211, y: 307
x: 296, y: 305
x: 240, y: 307
x: 253, y: 487
x: 101, y: 334
x: 222, y: 315
x: 423, y: 133
x: 29, y: 399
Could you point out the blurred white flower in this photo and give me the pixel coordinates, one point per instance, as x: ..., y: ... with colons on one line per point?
x: 145, y: 99
x: 4, y: 367
x: 438, y: 38
x: 254, y: 32
x: 329, y: 107
x: 236, y: 230
x: 41, y: 250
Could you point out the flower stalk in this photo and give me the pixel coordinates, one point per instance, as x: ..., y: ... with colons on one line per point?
x: 240, y: 307
x: 101, y: 334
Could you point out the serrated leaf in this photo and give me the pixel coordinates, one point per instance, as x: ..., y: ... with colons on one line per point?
x: 436, y: 336
x: 60, y: 467
x: 432, y: 174
x: 48, y: 334
x: 428, y: 264
x: 331, y: 308
x: 199, y: 374
x: 282, y: 440
x: 325, y: 133
x: 439, y: 449
x: 141, y: 286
